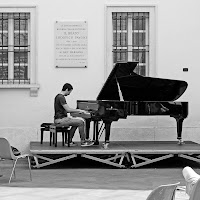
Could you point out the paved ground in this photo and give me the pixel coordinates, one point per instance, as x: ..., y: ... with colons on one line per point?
x: 83, y: 179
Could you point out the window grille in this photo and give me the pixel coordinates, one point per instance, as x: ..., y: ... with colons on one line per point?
x: 131, y: 39
x: 14, y: 48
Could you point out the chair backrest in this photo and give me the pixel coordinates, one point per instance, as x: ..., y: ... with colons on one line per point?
x: 5, y: 149
x: 163, y: 192
x: 196, y: 191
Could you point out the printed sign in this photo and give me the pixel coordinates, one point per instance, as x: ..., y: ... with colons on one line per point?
x: 71, y: 44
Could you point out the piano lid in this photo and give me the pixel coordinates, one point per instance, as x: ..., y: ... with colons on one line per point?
x: 138, y: 88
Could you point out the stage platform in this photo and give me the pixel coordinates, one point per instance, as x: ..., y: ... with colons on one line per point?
x: 136, y: 153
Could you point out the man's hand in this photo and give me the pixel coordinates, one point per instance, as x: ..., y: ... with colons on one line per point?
x: 82, y: 112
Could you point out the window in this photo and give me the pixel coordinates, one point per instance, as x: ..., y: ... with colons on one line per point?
x: 130, y: 36
x: 14, y: 48
x: 130, y: 39
x: 17, y: 48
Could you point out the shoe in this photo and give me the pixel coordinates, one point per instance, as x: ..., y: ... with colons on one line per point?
x: 72, y: 144
x: 86, y: 143
x: 89, y: 140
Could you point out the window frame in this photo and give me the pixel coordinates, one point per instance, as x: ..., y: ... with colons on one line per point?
x: 109, y: 8
x: 33, y: 86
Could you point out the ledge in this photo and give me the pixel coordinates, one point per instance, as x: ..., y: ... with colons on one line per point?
x: 33, y: 88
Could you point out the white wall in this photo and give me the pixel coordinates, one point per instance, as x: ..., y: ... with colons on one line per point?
x: 177, y: 45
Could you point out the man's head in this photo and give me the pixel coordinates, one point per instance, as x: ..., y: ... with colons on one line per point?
x: 67, y: 89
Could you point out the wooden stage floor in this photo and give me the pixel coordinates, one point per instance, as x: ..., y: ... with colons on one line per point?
x: 136, y: 153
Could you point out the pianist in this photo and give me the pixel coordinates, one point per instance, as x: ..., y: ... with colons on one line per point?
x: 62, y: 111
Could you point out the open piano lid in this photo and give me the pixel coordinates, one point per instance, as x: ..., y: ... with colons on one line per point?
x: 138, y: 88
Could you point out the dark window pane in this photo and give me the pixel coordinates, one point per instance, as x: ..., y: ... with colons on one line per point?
x: 3, y: 39
x: 21, y: 15
x: 3, y: 56
x: 119, y: 21
x: 3, y: 24
x: 139, y: 39
x: 3, y: 72
x: 139, y: 24
x: 20, y: 24
x: 21, y: 57
x: 120, y: 39
x: 21, y: 39
x: 139, y: 55
x: 4, y: 16
x: 119, y: 55
x: 20, y: 72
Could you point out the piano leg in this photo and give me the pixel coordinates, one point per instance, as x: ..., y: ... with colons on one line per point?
x: 179, y: 122
x: 107, y: 133
x: 96, y: 133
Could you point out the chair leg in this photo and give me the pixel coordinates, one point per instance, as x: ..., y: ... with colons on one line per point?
x: 42, y: 132
x: 55, y: 138
x: 50, y: 137
x: 13, y: 170
x: 29, y: 165
x: 63, y: 138
x: 68, y: 138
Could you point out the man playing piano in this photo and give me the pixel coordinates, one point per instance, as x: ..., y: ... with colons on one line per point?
x: 62, y: 111
x: 126, y: 93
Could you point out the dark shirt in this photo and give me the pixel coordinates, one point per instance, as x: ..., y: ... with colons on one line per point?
x: 60, y: 112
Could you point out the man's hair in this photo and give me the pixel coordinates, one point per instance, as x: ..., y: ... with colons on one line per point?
x: 67, y: 86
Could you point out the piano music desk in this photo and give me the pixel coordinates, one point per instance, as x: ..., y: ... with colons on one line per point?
x: 120, y: 154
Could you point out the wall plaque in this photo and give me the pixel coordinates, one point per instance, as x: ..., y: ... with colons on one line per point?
x: 71, y: 44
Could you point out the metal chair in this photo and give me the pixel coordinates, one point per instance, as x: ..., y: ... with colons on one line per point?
x: 6, y: 153
x: 196, y: 191
x: 164, y: 192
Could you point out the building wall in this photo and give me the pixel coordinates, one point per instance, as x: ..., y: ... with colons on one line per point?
x: 177, y: 46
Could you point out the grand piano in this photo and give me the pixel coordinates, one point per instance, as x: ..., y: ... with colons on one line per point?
x: 127, y: 93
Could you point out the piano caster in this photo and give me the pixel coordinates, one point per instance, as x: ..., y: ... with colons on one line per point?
x: 180, y: 142
x: 105, y: 145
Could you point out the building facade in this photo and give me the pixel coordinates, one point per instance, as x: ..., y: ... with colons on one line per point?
x: 161, y: 35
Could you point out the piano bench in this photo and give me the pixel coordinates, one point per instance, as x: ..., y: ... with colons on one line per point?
x: 56, y: 128
x: 44, y: 127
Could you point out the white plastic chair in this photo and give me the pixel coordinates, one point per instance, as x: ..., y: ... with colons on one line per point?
x: 195, y: 192
x: 164, y: 192
x: 6, y: 153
